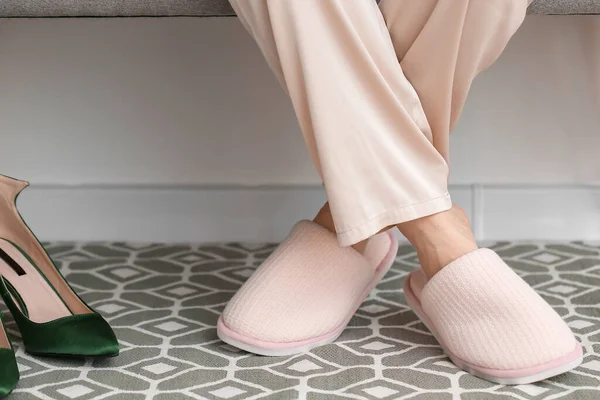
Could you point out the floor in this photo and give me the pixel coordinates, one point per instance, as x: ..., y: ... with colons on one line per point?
x: 164, y: 300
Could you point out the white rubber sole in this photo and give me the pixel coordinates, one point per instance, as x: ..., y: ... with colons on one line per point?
x: 276, y: 352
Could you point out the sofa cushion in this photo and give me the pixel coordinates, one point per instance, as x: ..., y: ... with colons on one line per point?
x: 114, y: 8
x: 565, y: 7
x: 207, y: 8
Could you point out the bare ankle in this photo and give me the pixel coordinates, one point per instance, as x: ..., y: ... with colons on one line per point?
x: 440, y: 238
x: 324, y: 218
x: 360, y: 246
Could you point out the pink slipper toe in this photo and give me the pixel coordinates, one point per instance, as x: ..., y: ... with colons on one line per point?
x: 305, y: 293
x: 491, y: 323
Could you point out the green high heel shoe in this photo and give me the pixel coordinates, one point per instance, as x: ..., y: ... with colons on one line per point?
x: 52, y: 319
x: 9, y: 373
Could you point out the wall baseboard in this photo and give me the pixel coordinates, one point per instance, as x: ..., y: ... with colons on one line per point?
x: 211, y: 214
x: 545, y: 213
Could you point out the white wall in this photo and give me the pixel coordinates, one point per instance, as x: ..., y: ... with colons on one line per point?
x: 126, y: 126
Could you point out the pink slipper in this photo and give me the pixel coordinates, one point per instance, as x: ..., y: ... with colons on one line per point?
x: 491, y: 323
x: 305, y: 293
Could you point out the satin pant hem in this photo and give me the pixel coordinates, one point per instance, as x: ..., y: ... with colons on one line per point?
x: 393, y: 217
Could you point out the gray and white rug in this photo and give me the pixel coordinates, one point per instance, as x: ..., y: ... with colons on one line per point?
x: 164, y: 301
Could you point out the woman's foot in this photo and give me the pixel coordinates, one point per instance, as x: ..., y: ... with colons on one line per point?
x: 440, y: 238
x: 490, y: 322
x: 305, y: 292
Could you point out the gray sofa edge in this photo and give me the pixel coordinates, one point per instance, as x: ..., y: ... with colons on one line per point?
x: 204, y: 8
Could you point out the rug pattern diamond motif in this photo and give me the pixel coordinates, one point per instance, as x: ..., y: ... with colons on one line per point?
x: 164, y: 302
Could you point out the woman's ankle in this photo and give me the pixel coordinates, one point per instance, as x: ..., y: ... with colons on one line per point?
x: 440, y: 238
x: 324, y: 218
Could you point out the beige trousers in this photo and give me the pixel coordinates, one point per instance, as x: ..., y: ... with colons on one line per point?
x: 377, y: 90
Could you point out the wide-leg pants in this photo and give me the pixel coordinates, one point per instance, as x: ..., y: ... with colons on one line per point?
x: 377, y: 89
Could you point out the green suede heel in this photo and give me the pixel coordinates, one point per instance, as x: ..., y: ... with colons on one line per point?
x: 52, y: 318
x: 9, y: 373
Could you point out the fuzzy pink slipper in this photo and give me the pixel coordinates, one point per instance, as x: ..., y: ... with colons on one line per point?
x: 491, y: 323
x: 305, y: 293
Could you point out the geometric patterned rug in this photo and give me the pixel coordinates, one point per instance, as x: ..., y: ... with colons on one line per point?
x: 164, y: 301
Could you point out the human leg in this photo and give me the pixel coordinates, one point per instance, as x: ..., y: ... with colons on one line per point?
x: 442, y: 45
x: 362, y: 120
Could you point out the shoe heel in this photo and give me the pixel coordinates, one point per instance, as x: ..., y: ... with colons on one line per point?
x: 9, y: 372
x: 52, y: 318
